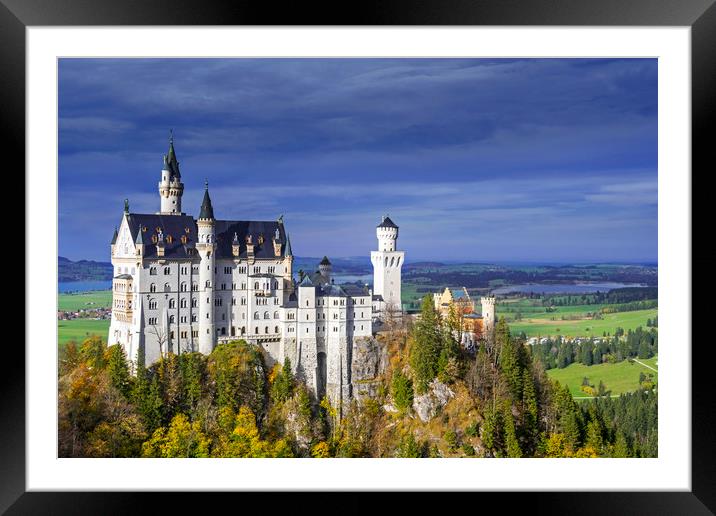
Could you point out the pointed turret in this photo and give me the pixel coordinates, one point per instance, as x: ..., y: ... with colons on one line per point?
x: 114, y: 237
x: 325, y: 268
x: 170, y: 160
x: 289, y: 252
x: 207, y: 211
x: 139, y: 239
x: 171, y: 188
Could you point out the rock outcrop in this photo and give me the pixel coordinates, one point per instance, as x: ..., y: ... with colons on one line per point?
x: 367, y: 365
x: 428, y: 405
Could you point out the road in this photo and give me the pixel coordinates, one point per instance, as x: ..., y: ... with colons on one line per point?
x: 647, y: 366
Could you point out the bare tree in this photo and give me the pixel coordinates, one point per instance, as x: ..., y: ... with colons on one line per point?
x: 162, y: 337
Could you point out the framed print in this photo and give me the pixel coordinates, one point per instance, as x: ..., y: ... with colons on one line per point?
x: 209, y: 180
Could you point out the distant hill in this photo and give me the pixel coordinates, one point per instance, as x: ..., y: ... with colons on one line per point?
x: 83, y: 270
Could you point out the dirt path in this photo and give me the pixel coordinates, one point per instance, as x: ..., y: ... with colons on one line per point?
x: 647, y: 366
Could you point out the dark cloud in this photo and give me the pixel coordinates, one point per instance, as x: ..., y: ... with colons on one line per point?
x: 348, y: 139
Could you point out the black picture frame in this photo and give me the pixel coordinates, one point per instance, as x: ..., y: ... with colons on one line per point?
x: 700, y: 15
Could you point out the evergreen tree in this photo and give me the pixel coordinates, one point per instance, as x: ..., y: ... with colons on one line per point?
x: 426, y: 346
x: 402, y: 391
x: 512, y: 445
x: 118, y: 370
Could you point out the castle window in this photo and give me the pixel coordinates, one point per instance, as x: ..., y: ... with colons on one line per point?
x: 223, y: 286
x: 152, y: 321
x: 171, y: 319
x: 208, y: 284
x: 172, y: 303
x: 256, y: 285
x: 233, y: 301
x: 152, y: 288
x: 183, y: 286
x: 243, y: 300
x: 152, y: 271
x: 194, y: 303
x: 266, y: 329
x: 169, y: 237
x: 271, y: 270
x: 256, y: 330
x: 194, y: 318
x: 195, y: 287
x: 266, y: 315
x: 306, y: 302
x: 243, y: 330
x: 183, y: 239
x: 153, y: 304
x: 195, y: 333
x: 275, y: 330
x: 275, y: 315
x: 167, y: 288
x: 227, y: 270
x: 256, y: 315
x: 195, y: 268
x: 182, y: 303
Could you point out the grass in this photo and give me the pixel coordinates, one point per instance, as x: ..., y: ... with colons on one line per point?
x: 543, y: 325
x: 620, y: 377
x: 95, y: 299
x: 80, y: 329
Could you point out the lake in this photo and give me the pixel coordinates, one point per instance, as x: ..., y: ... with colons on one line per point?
x: 83, y: 286
x: 565, y: 288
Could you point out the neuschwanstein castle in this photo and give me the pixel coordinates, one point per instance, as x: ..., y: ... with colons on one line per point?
x: 183, y: 284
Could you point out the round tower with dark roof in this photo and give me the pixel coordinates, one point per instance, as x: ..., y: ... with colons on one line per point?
x: 206, y: 247
x: 325, y: 268
x: 170, y: 187
x: 387, y: 264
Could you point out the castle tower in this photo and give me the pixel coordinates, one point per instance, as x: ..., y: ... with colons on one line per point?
x: 206, y: 247
x: 488, y: 315
x: 387, y: 264
x: 170, y: 187
x: 325, y: 268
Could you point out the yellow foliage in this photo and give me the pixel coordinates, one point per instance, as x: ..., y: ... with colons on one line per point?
x: 586, y: 452
x: 321, y: 451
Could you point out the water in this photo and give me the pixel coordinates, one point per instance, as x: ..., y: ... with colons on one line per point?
x: 352, y: 278
x: 565, y: 288
x: 83, y: 286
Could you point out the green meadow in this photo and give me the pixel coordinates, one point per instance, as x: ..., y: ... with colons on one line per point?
x: 80, y: 329
x: 86, y: 300
x: 619, y: 377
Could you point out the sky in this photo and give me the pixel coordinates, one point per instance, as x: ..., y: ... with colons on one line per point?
x: 484, y: 160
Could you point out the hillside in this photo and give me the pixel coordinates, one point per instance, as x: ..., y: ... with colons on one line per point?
x: 83, y: 270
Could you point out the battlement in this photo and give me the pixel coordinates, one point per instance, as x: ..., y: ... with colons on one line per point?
x: 488, y: 301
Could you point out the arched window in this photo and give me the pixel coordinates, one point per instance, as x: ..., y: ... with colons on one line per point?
x: 392, y: 261
x: 233, y: 331
x: 208, y: 283
x: 167, y: 288
x: 243, y: 330
x: 397, y: 262
x: 182, y: 303
x: 256, y: 315
x: 172, y: 303
x: 152, y: 304
x: 256, y: 285
x: 386, y: 261
x: 266, y: 330
x: 171, y: 319
x: 152, y: 288
x: 256, y: 330
x: 266, y: 315
x: 194, y: 303
x: 275, y: 330
x: 152, y: 271
x: 183, y: 286
x: 275, y: 315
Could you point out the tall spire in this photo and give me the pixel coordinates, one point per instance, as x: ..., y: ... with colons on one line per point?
x: 114, y: 237
x: 207, y: 211
x: 170, y: 160
x: 288, y: 246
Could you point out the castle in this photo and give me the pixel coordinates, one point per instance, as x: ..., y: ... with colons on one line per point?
x: 473, y: 326
x: 182, y: 285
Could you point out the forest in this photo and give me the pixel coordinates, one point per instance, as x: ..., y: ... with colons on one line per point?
x: 434, y: 399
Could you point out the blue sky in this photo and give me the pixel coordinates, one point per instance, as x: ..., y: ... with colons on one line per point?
x: 551, y: 160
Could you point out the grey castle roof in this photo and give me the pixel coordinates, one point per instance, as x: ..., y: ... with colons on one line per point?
x: 114, y: 237
x: 207, y: 210
x: 123, y: 276
x: 170, y: 161
x: 177, y: 226
x: 325, y: 261
x: 387, y: 223
x: 288, y: 251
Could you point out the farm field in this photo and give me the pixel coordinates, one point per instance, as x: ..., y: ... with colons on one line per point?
x: 87, y: 300
x: 543, y: 325
x: 619, y: 378
x: 80, y: 329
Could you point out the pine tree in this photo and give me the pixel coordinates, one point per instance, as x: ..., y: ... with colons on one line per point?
x: 426, y: 346
x: 402, y: 391
x: 512, y: 445
x: 118, y: 370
